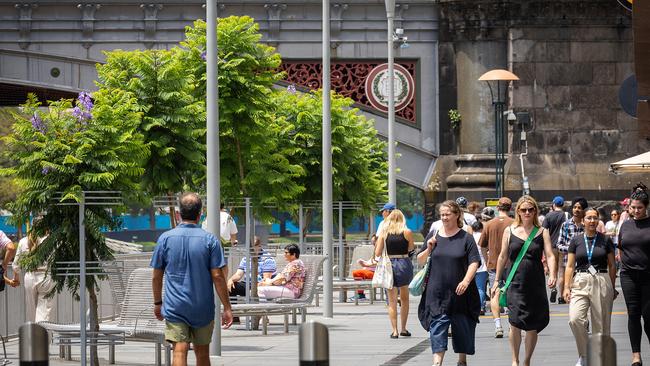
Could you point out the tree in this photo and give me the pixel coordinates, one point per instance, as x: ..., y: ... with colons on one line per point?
x: 254, y: 159
x: 173, y: 119
x: 358, y: 159
x: 9, y: 189
x: 64, y: 151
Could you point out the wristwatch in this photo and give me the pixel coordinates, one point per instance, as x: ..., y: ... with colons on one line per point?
x: 158, y: 302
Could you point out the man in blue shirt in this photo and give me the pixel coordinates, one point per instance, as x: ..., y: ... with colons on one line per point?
x: 191, y: 260
x: 266, y: 267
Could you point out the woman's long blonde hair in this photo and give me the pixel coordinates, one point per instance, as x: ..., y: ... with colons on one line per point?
x: 522, y: 200
x: 395, y: 224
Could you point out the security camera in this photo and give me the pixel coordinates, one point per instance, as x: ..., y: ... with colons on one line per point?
x: 399, y: 31
x: 511, y: 117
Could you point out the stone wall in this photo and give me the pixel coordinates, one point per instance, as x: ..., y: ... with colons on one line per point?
x: 571, y: 58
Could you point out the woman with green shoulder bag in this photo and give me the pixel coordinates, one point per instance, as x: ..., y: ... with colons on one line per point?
x: 524, y: 291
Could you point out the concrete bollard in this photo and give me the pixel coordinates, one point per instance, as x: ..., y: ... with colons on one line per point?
x: 601, y: 350
x: 33, y: 345
x: 314, y: 347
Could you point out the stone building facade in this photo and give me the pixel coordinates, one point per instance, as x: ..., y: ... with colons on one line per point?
x: 571, y: 58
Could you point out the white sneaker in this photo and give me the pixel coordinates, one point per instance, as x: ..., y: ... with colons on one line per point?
x: 580, y: 362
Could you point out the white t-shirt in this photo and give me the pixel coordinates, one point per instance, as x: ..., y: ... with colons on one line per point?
x: 227, y: 226
x: 612, y: 227
x: 482, y: 267
x: 469, y: 218
x: 4, y: 240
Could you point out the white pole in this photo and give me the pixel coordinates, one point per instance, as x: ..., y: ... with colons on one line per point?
x: 213, y: 183
x: 328, y: 301
x: 300, y: 228
x: 82, y: 278
x: 392, y: 182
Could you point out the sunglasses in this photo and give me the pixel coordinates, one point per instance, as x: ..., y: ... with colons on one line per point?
x: 527, y: 210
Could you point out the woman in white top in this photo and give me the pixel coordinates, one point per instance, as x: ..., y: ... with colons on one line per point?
x: 481, y: 276
x: 38, y: 306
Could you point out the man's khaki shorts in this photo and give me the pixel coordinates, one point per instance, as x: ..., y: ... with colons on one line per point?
x: 181, y: 332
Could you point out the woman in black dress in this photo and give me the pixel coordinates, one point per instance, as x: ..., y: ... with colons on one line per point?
x: 527, y: 301
x: 451, y: 296
x: 398, y: 240
x: 634, y: 249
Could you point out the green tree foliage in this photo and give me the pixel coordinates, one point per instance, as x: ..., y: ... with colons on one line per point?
x: 173, y: 120
x: 255, y: 161
x: 9, y: 188
x: 62, y: 151
x: 359, y: 163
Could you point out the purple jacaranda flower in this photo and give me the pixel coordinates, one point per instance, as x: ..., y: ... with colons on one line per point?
x: 291, y: 89
x: 204, y: 55
x: 84, y: 105
x: 45, y: 170
x: 85, y: 101
x: 38, y: 124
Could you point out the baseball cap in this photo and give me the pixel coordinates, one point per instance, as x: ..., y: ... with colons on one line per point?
x: 487, y: 213
x: 388, y: 206
x: 625, y: 201
x: 558, y: 201
x: 461, y: 201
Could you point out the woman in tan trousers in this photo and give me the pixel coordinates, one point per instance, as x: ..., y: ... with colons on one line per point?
x: 589, y: 283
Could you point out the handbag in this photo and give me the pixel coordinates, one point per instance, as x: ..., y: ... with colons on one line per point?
x: 383, y: 276
x: 419, y: 282
x: 503, y: 300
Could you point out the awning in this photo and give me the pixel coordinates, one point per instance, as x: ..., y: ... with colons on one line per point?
x: 635, y: 164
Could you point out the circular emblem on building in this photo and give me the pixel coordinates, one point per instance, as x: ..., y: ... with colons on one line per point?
x: 377, y: 87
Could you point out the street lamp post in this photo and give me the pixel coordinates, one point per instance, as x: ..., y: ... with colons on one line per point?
x: 213, y: 183
x: 501, y: 78
x: 392, y: 181
x: 328, y: 250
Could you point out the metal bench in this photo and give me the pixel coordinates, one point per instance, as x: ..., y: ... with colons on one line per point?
x: 136, y: 322
x: 360, y: 252
x: 313, y: 265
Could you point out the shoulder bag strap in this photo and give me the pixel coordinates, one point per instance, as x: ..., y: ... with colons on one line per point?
x: 520, y: 256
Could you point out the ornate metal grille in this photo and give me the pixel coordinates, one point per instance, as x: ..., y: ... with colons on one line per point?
x: 348, y: 79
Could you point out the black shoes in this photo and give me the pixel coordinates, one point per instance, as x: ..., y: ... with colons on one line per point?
x: 393, y: 336
x: 553, y: 296
x: 561, y: 301
x: 405, y: 333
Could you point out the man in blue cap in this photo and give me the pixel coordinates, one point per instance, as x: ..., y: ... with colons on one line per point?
x: 385, y: 211
x: 553, y: 222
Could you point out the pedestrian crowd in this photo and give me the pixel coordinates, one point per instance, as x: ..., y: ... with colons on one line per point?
x: 476, y: 260
x: 510, y: 260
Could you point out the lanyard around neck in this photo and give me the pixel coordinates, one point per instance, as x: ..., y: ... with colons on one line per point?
x: 590, y: 251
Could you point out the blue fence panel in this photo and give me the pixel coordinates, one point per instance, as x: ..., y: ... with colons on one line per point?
x: 6, y: 228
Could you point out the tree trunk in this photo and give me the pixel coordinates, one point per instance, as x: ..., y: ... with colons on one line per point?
x: 172, y: 216
x: 94, y: 324
x: 152, y: 218
x: 307, y: 222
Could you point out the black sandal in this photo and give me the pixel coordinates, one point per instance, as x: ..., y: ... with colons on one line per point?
x: 393, y: 336
x: 405, y: 333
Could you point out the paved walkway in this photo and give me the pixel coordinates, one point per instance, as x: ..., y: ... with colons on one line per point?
x: 359, y: 337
